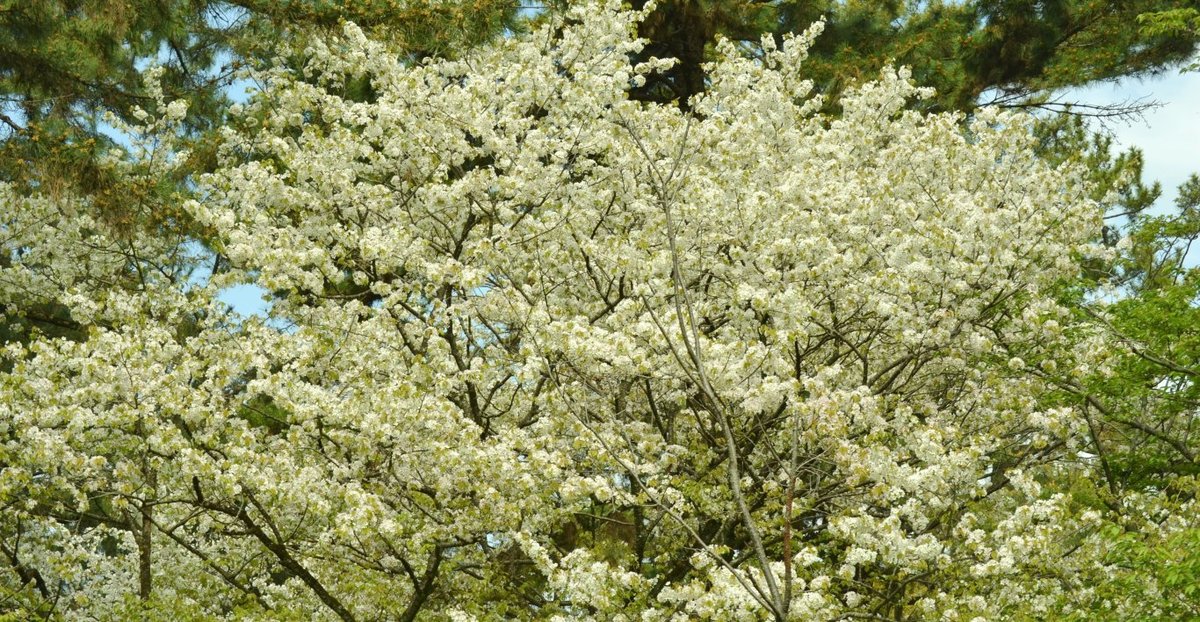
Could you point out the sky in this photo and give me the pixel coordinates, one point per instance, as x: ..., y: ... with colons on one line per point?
x: 1168, y: 135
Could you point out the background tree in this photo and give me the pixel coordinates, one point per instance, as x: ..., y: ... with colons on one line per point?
x: 1012, y: 53
x: 65, y: 64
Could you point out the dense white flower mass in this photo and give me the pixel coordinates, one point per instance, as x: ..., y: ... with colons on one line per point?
x: 556, y: 354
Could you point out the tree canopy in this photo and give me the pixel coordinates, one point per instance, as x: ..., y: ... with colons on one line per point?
x: 551, y: 341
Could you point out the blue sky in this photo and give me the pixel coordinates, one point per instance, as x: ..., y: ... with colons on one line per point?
x: 1169, y: 135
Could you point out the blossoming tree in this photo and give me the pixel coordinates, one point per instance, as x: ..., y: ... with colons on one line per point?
x: 542, y: 352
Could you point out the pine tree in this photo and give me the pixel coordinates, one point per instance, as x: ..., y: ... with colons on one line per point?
x: 1014, y: 53
x: 64, y: 64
